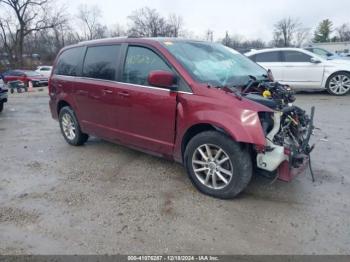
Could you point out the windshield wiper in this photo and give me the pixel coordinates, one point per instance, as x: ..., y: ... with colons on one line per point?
x: 252, y: 80
x: 230, y: 89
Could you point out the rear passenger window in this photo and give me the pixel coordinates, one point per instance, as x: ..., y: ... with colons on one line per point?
x: 101, y: 62
x: 139, y: 63
x: 268, y: 57
x: 295, y: 56
x: 69, y: 61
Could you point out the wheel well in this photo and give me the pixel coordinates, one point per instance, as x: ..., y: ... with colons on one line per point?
x: 337, y: 72
x: 195, y: 130
x: 60, y: 105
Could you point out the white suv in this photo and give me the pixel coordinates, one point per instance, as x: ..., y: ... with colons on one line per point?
x: 302, y: 69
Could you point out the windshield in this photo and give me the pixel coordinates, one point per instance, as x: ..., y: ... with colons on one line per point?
x: 32, y: 73
x: 214, y: 64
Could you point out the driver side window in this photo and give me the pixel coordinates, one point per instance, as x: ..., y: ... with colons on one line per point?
x: 140, y: 61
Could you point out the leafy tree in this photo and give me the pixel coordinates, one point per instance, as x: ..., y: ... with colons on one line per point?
x: 323, y: 31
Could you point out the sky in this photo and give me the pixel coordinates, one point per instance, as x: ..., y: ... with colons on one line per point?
x: 248, y: 18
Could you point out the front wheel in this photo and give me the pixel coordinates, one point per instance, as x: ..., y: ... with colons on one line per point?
x: 70, y: 127
x: 217, y: 165
x: 338, y: 84
x: 1, y: 106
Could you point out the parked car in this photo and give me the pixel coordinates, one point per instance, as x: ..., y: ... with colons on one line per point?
x: 25, y: 76
x: 171, y: 98
x: 324, y: 53
x: 44, y: 70
x: 302, y: 69
x: 345, y: 55
x: 3, y: 94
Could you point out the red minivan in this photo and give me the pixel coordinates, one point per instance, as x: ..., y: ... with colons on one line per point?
x: 166, y: 97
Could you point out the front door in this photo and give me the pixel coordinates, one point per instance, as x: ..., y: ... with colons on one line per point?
x: 298, y: 71
x: 148, y: 118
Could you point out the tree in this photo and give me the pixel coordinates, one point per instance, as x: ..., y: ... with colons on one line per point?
x: 116, y: 30
x: 302, y: 36
x: 89, y: 17
x: 25, y: 18
x: 175, y: 24
x: 239, y: 43
x: 343, y: 32
x: 323, y: 31
x: 209, y: 35
x: 146, y: 22
x: 284, y: 31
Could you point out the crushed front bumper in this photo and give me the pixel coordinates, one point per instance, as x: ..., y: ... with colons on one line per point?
x: 280, y: 159
x: 286, y: 172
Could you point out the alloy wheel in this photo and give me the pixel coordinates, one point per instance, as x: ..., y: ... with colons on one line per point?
x: 339, y: 84
x: 68, y: 126
x: 212, y: 166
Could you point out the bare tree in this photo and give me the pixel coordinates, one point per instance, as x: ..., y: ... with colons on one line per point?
x: 175, y: 24
x: 29, y: 16
x: 284, y: 31
x: 239, y: 43
x: 209, y: 35
x: 147, y: 22
x: 343, y: 32
x: 302, y: 35
x: 89, y: 17
x: 116, y: 30
x: 7, y: 37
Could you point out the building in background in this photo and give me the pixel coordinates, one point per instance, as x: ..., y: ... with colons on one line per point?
x: 336, y: 47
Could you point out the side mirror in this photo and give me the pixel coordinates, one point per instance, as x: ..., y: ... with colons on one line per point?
x: 163, y: 79
x: 315, y: 60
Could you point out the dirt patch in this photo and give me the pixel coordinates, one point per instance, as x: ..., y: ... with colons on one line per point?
x: 17, y: 216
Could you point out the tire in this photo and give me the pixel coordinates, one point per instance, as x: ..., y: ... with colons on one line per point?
x: 12, y: 91
x: 238, y: 163
x: 70, y: 127
x: 335, y: 84
x: 1, y: 107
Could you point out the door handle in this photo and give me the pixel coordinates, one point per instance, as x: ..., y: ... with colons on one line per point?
x: 124, y: 93
x: 107, y: 91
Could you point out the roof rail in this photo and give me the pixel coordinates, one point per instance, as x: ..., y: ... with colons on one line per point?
x: 107, y: 38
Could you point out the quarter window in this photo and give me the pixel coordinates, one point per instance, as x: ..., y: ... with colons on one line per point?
x: 139, y: 63
x: 268, y: 57
x: 69, y: 62
x: 294, y: 56
x: 101, y: 62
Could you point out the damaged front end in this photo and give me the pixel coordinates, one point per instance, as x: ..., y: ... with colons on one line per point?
x: 287, y: 130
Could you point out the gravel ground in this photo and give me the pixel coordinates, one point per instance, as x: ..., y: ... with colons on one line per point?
x: 105, y: 198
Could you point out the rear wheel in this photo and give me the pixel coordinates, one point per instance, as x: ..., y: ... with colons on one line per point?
x: 1, y: 106
x: 217, y: 165
x: 338, y: 84
x: 70, y: 127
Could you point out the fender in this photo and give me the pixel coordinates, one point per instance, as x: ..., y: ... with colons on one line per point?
x: 242, y: 125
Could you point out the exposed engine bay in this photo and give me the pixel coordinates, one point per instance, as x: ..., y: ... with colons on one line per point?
x: 288, y: 129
